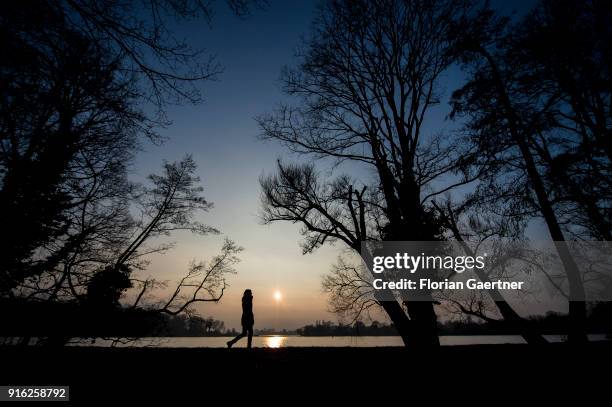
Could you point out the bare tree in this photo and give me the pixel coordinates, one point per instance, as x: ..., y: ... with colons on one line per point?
x: 109, y: 236
x: 351, y: 294
x: 366, y: 81
x: 168, y: 206
x: 529, y: 128
x: 72, y: 147
x: 85, y: 65
x: 349, y: 289
x: 204, y: 282
x: 71, y: 119
x: 564, y: 61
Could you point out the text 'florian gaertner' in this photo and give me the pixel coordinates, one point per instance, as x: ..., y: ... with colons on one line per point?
x: 458, y: 264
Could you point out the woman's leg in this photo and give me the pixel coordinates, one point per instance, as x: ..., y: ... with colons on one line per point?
x: 250, y: 337
x: 237, y: 338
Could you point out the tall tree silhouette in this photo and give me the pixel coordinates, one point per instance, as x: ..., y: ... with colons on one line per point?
x: 83, y: 117
x: 83, y: 66
x: 70, y: 122
x: 523, y: 120
x: 564, y: 51
x: 367, y: 79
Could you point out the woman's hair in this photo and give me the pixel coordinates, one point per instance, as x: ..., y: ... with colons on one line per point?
x: 247, y: 293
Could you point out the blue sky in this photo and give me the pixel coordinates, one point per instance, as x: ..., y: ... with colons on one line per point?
x: 221, y: 134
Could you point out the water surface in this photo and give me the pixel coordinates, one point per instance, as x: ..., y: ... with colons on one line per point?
x: 281, y: 341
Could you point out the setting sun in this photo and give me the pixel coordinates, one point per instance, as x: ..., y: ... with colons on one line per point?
x: 277, y: 296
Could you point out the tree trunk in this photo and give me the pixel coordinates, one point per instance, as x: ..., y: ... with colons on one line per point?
x: 510, y: 315
x: 520, y: 324
x: 425, y: 323
x: 505, y: 309
x: 577, y: 307
x: 400, y: 321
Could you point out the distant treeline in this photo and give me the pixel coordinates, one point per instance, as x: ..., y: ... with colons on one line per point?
x: 599, y: 321
x: 193, y: 325
x: 329, y: 328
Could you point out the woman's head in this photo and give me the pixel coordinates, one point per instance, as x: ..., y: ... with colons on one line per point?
x: 247, y: 294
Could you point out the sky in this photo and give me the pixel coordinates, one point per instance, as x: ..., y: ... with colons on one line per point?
x: 221, y: 135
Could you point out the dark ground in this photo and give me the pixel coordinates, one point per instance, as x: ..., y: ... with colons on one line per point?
x: 484, y: 372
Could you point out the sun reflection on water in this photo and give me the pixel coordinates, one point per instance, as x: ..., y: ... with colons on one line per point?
x: 274, y: 341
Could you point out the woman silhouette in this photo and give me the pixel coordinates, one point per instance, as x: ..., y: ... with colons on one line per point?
x: 247, y: 320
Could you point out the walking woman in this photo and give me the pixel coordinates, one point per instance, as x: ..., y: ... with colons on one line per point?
x: 247, y: 320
